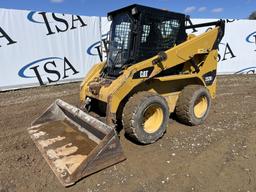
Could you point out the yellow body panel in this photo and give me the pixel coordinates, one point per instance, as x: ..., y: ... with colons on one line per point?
x: 198, y: 47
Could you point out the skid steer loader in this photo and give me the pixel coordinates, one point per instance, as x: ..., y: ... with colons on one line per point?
x: 153, y: 68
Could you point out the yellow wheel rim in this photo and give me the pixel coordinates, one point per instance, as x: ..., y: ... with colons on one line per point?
x: 200, y: 107
x: 153, y: 118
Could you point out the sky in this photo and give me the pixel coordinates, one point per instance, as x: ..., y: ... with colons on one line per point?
x: 227, y: 9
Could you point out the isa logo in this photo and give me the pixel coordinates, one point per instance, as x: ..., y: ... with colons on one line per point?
x: 48, y: 70
x: 34, y: 17
x: 251, y: 38
x: 92, y: 49
x: 56, y: 23
x: 225, y: 52
x: 5, y: 38
x: 249, y: 70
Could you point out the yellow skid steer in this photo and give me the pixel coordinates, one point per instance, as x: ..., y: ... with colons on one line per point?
x: 153, y: 68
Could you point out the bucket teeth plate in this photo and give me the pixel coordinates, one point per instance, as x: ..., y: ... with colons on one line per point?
x: 74, y: 143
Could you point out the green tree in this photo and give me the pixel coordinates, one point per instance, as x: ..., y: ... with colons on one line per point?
x: 253, y: 15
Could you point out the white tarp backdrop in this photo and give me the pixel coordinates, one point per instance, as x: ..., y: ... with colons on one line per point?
x: 237, y: 50
x: 39, y: 48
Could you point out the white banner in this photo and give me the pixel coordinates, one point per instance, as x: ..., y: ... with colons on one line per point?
x: 237, y: 50
x: 39, y: 48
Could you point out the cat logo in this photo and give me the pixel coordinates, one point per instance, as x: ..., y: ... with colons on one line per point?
x: 143, y: 74
x: 209, y: 78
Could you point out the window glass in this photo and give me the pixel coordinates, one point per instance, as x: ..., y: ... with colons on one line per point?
x: 158, y: 34
x: 119, y: 41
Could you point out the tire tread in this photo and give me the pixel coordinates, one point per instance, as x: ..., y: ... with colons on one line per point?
x: 184, y: 103
x: 130, y: 110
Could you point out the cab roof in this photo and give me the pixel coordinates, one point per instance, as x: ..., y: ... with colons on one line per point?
x: 142, y: 8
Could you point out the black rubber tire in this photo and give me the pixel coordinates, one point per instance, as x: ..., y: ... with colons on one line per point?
x: 132, y: 117
x: 186, y: 101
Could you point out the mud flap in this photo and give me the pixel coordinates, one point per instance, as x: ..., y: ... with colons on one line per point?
x: 74, y: 143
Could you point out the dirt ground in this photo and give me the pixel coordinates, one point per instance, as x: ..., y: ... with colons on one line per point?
x: 219, y: 155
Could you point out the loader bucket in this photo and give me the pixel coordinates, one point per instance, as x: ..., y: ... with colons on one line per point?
x: 74, y: 143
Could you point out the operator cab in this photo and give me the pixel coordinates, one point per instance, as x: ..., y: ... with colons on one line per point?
x: 138, y: 33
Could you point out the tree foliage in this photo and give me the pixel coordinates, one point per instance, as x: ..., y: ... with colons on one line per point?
x: 253, y: 15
